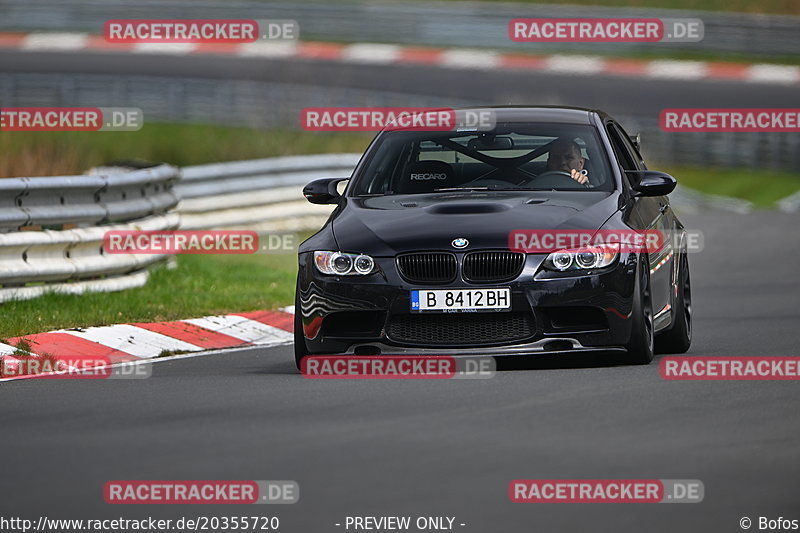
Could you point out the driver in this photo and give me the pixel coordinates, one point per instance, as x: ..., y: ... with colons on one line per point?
x: 565, y: 156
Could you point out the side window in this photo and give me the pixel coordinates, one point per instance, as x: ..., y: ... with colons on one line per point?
x: 626, y: 140
x: 620, y: 150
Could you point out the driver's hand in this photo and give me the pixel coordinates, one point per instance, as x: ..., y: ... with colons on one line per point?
x: 578, y: 176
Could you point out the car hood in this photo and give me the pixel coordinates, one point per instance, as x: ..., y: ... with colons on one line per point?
x: 387, y: 225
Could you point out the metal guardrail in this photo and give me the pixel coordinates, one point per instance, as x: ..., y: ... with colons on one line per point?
x: 95, y: 199
x: 74, y: 212
x: 33, y: 263
x: 465, y: 24
x: 790, y: 204
x: 262, y: 194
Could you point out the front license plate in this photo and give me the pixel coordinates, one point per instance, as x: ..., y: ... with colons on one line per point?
x: 460, y: 300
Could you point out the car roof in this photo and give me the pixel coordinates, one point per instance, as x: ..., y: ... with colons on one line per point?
x: 555, y: 114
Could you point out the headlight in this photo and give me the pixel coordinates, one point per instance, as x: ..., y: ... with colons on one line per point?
x: 364, y: 264
x: 598, y: 256
x: 342, y: 264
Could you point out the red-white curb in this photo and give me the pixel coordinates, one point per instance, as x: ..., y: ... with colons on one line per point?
x: 371, y: 53
x: 147, y: 340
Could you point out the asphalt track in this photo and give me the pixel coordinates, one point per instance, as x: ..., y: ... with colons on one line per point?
x: 619, y: 96
x: 445, y: 448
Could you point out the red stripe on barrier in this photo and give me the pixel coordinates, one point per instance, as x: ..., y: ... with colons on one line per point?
x: 626, y: 67
x: 733, y: 71
x: 424, y: 56
x: 98, y: 42
x: 276, y: 319
x: 64, y: 344
x: 216, y: 48
x: 320, y: 50
x: 11, y: 40
x: 522, y: 61
x: 192, y: 334
x: 409, y: 55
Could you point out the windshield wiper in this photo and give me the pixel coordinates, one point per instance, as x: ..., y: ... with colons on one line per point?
x: 511, y: 189
x: 448, y: 189
x: 490, y: 188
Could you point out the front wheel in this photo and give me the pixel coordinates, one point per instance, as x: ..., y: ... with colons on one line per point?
x: 640, y: 346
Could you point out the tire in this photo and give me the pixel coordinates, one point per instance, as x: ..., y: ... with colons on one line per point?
x: 678, y: 338
x: 640, y: 345
x: 300, y: 349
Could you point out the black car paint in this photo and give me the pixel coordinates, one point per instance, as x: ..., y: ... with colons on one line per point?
x: 386, y: 226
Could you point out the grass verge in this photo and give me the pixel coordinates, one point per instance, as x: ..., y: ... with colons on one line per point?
x: 70, y: 153
x: 201, y: 285
x: 761, y: 187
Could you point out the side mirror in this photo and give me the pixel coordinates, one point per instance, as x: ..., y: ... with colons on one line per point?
x: 653, y: 183
x: 323, y: 191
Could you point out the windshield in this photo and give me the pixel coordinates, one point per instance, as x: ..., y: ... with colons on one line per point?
x: 512, y: 156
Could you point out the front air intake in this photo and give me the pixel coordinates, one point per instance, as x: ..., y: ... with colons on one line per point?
x: 427, y: 267
x: 491, y: 267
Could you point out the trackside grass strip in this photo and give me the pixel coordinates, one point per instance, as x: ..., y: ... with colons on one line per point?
x: 761, y: 187
x: 201, y: 285
x: 25, y: 154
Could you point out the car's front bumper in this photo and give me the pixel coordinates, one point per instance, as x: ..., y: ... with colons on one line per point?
x: 541, y: 346
x: 567, y: 312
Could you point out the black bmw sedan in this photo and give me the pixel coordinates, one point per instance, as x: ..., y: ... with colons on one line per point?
x: 429, y: 249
